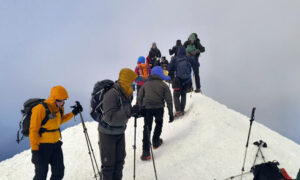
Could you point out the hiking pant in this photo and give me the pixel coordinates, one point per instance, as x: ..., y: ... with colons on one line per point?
x: 197, y: 76
x: 112, y: 153
x: 50, y: 154
x: 179, y: 97
x: 138, y: 87
x: 148, y: 120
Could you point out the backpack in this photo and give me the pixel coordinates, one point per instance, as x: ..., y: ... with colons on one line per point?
x: 143, y: 72
x: 24, y: 124
x: 183, y: 69
x: 267, y: 171
x: 100, y: 89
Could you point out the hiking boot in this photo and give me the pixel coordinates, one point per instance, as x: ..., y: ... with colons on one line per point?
x: 145, y: 156
x: 198, y: 91
x: 157, y: 144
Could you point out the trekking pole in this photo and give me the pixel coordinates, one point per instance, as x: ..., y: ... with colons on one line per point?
x: 251, y: 121
x: 232, y: 177
x: 151, y: 150
x: 134, y: 148
x: 258, y: 144
x: 89, y: 145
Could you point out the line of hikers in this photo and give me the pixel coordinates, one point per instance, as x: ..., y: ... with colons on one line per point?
x: 111, y: 107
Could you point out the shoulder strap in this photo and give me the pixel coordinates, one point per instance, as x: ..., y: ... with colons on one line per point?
x: 47, y: 114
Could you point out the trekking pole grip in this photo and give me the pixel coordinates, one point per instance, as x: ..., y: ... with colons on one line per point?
x: 252, y: 114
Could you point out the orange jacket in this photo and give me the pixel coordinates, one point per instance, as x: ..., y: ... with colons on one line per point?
x: 38, y: 115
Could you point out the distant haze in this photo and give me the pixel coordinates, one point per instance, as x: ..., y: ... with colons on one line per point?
x: 251, y: 59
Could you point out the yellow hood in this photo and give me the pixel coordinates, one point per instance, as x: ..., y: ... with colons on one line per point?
x: 57, y: 93
x: 126, y: 77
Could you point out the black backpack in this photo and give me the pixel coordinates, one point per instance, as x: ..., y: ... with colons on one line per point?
x: 267, y: 171
x: 26, y: 113
x: 100, y: 89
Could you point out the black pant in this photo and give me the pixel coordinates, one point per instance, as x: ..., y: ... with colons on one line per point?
x: 112, y: 152
x: 148, y: 120
x: 197, y: 76
x: 50, y: 154
x: 180, y: 97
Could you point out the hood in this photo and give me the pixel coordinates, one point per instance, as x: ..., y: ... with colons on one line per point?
x: 126, y: 77
x: 57, y: 93
x: 192, y: 37
x: 157, y: 70
x: 141, y: 60
x: 181, y: 51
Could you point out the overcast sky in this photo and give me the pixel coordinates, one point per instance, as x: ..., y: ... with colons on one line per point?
x: 251, y: 59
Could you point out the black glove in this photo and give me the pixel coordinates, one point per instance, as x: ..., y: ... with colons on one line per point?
x: 77, y: 108
x: 135, y: 111
x: 36, y: 157
x: 171, y: 118
x: 143, y: 112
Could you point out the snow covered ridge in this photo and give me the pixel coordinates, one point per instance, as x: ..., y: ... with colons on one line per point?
x: 207, y: 143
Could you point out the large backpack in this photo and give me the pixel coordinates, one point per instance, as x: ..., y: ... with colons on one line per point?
x: 267, y: 171
x: 183, y: 69
x: 143, y: 72
x: 24, y: 124
x: 96, y: 103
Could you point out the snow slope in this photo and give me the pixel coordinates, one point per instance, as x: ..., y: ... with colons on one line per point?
x: 208, y: 143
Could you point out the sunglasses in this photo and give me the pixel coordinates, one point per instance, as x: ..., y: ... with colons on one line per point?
x: 60, y: 101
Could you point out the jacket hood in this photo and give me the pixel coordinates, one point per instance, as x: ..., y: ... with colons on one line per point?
x: 181, y: 51
x: 126, y: 77
x: 141, y: 60
x: 192, y: 37
x: 157, y: 70
x: 57, y: 93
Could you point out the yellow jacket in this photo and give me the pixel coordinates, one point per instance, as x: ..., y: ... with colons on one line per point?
x: 38, y: 115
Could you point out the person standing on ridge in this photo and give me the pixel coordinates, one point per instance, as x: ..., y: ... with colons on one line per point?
x: 175, y: 48
x: 116, y: 112
x: 193, y: 49
x: 180, y: 72
x: 45, y: 140
x: 151, y: 100
x: 154, y: 55
x: 143, y: 71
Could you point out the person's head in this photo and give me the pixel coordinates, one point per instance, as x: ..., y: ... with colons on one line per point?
x: 164, y: 67
x: 141, y: 60
x: 178, y: 42
x: 192, y: 38
x: 154, y: 45
x: 126, y: 78
x: 157, y: 70
x: 58, y: 95
x: 163, y: 58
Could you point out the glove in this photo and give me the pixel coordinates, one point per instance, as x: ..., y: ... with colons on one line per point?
x: 36, y: 157
x: 77, y: 109
x: 171, y: 118
x: 135, y: 111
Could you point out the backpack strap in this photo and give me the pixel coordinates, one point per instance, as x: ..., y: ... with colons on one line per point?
x: 48, y: 112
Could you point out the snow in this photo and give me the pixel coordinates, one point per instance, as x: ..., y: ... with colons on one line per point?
x: 207, y: 143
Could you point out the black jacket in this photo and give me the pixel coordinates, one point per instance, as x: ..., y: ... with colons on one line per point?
x: 154, y: 53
